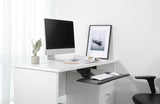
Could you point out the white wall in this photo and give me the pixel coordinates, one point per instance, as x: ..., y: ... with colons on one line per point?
x: 135, y: 35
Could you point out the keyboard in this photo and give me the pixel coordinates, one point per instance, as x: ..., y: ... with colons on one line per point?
x: 101, y: 76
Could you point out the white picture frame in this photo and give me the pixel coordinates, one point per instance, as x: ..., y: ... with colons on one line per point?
x: 99, y: 41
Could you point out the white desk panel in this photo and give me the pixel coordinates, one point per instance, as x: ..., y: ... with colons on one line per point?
x: 58, y: 66
x: 35, y: 87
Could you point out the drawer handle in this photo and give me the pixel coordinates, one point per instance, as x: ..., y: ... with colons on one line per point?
x: 107, y: 94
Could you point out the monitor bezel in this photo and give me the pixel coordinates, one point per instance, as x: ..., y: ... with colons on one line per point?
x: 59, y: 50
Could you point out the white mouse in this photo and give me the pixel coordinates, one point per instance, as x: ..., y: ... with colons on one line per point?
x: 114, y: 73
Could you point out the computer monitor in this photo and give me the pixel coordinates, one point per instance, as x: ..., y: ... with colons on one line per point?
x: 59, y: 37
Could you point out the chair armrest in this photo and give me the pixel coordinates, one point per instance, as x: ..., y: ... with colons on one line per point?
x: 150, y: 80
x: 145, y: 77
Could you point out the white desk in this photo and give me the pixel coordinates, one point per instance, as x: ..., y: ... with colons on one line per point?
x: 40, y: 84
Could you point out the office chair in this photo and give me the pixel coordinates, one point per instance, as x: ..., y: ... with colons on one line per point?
x: 147, y: 98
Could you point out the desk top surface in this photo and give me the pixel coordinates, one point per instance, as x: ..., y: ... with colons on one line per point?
x: 58, y: 66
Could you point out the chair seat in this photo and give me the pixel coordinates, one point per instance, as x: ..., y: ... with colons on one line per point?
x: 146, y: 98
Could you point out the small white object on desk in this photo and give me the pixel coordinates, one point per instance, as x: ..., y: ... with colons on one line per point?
x: 80, y: 59
x: 114, y: 73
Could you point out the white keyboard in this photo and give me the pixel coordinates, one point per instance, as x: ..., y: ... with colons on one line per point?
x: 101, y: 76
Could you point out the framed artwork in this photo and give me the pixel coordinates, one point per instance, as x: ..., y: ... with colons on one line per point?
x: 99, y: 41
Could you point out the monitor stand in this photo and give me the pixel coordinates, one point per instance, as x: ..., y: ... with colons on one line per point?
x: 51, y: 57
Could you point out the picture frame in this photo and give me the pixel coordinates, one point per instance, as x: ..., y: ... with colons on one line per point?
x: 99, y: 37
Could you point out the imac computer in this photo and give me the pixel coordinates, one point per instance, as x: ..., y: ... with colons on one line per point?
x: 59, y: 37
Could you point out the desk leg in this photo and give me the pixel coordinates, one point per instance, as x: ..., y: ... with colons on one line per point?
x: 35, y: 87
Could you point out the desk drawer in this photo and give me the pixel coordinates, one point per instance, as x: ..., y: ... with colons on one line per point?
x: 107, y: 85
x: 106, y: 93
x: 108, y: 98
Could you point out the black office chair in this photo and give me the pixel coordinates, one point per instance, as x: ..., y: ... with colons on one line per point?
x: 147, y: 98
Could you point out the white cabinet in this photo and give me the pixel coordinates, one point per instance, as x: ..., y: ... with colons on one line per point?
x: 106, y: 93
x: 85, y: 93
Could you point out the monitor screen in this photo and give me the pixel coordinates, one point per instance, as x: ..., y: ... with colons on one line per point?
x: 59, y: 34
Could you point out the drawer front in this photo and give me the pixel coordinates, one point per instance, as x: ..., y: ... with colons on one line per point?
x: 106, y: 93
x: 107, y: 85
x: 105, y: 89
x: 107, y: 99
